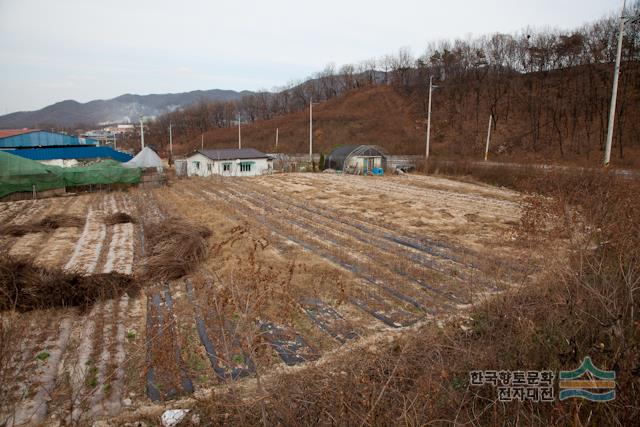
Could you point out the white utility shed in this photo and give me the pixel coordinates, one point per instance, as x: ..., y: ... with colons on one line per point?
x: 229, y: 162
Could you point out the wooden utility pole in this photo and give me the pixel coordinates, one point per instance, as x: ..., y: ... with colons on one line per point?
x: 170, y: 142
x: 276, y: 140
x: 141, y: 134
x: 426, y: 154
x: 239, y: 135
x: 202, y: 140
x: 311, y: 130
x: 486, y: 150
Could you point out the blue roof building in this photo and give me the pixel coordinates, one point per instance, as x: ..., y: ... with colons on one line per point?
x: 71, y: 152
x: 43, y: 145
x: 31, y: 138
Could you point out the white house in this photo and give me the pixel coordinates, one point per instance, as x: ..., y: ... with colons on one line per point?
x: 229, y: 162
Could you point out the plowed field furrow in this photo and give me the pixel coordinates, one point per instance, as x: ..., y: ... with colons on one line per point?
x: 83, y: 366
x: 102, y: 385
x: 462, y: 202
x: 457, y: 199
x: 375, y: 305
x: 121, y: 249
x: 134, y: 347
x: 450, y: 255
x: 431, y: 257
x: 203, y: 335
x: 332, y: 249
x: 187, y: 384
x: 27, y: 245
x: 152, y: 390
x: 233, y: 361
x: 108, y: 207
x: 142, y: 220
x: 32, y: 410
x: 292, y: 348
x: 366, y: 253
x: 156, y: 212
x: 328, y: 319
x: 467, y: 214
x: 432, y: 247
x: 12, y: 209
x: 168, y: 377
x: 55, y: 252
x: 87, y: 251
x: 220, y: 337
x: 326, y: 250
x: 34, y: 211
x: 333, y: 218
x: 383, y: 311
x: 366, y: 247
x: 434, y: 182
x: 21, y: 363
x: 113, y: 403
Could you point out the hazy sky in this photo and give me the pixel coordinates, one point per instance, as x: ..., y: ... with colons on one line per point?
x: 52, y: 50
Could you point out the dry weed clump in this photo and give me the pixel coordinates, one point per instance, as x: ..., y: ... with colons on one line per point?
x: 588, y: 307
x: 119, y: 218
x: 46, y: 225
x: 176, y: 248
x: 26, y: 286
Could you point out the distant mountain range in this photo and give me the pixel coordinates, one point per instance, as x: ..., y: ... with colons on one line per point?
x: 123, y: 109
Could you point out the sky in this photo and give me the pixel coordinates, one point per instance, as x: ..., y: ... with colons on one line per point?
x: 53, y: 50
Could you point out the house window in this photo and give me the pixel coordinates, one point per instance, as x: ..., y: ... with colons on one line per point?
x: 196, y: 164
x: 226, y: 167
x: 209, y: 167
x: 245, y: 167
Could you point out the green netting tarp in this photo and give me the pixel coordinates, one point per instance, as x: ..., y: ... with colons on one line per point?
x: 104, y: 172
x: 18, y: 174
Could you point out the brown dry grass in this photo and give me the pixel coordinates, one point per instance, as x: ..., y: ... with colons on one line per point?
x: 26, y: 286
x: 176, y: 248
x: 47, y: 224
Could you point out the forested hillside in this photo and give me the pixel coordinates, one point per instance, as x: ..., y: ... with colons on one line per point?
x: 547, y: 90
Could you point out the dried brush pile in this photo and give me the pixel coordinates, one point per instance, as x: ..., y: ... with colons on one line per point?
x: 46, y: 225
x: 119, y: 218
x: 26, y: 286
x: 176, y: 247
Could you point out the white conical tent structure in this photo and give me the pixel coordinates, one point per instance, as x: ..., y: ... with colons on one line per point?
x: 147, y: 158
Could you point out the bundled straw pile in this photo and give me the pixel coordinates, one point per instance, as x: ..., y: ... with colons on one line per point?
x: 176, y: 247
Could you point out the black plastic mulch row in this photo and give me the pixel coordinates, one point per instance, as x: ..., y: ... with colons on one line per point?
x: 209, y: 346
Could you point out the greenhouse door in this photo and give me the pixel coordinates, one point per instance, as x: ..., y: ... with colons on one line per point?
x: 367, y: 164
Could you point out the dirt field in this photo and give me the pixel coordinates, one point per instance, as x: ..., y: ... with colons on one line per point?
x: 301, y: 267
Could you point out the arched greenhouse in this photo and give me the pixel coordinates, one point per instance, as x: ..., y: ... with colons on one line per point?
x: 356, y: 159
